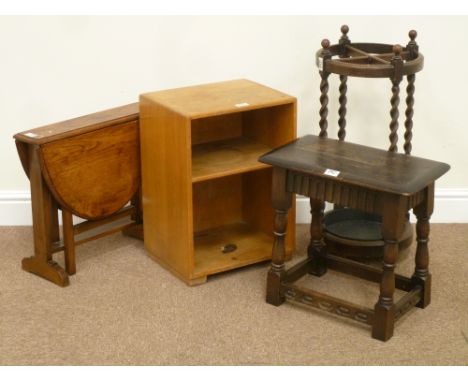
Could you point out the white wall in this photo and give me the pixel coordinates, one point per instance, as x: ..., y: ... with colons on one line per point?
x: 55, y: 68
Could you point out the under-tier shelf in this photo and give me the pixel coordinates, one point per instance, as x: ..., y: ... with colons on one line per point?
x: 252, y: 246
x: 227, y: 157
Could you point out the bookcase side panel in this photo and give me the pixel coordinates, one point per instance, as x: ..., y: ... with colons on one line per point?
x: 166, y: 186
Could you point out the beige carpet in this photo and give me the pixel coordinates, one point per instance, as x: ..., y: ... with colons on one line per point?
x: 123, y: 309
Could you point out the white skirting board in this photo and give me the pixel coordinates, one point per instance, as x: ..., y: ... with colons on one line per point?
x: 451, y: 206
x: 15, y: 209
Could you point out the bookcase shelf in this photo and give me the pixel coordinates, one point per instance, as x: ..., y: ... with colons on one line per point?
x: 203, y: 187
x: 252, y: 245
x: 227, y: 157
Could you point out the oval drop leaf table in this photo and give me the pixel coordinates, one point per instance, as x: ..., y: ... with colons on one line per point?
x: 87, y: 167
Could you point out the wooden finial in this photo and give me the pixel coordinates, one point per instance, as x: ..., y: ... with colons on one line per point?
x: 323, y: 55
x: 344, y: 40
x: 412, y: 46
x: 397, y: 49
x: 397, y: 63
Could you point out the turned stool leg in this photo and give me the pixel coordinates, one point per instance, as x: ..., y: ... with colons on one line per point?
x: 316, y: 245
x: 393, y: 220
x: 282, y: 201
x: 421, y: 274
x: 69, y: 242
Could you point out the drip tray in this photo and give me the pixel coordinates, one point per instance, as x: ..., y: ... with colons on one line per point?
x: 353, y: 224
x: 353, y: 233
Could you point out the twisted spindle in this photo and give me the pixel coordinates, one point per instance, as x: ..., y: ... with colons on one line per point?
x: 409, y: 113
x: 323, y: 123
x: 344, y: 40
x: 342, y: 110
x: 323, y: 105
x: 395, y: 100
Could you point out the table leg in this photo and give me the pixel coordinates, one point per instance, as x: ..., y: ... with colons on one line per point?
x: 316, y: 246
x: 54, y: 222
x: 282, y: 201
x: 69, y: 242
x: 44, y: 229
x: 421, y: 274
x: 393, y: 222
x: 137, y: 216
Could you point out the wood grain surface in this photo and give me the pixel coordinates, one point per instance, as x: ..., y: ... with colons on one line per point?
x: 357, y: 164
x: 219, y: 98
x: 80, y: 125
x: 94, y: 174
x: 203, y: 187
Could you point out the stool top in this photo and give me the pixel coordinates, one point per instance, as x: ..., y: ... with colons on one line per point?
x: 357, y: 165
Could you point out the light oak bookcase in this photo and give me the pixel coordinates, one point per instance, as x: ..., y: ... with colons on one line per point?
x: 202, y: 186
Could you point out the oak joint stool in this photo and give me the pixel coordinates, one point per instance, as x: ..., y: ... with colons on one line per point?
x: 368, y: 179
